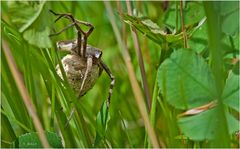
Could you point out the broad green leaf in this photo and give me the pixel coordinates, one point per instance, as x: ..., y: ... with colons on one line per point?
x: 198, y: 41
x: 231, y: 91
x: 204, y: 126
x: 185, y: 80
x: 24, y: 13
x: 30, y: 19
x: 40, y: 39
x: 38, y: 33
x: 210, y: 124
x: 233, y: 123
x: 201, y: 126
x: 230, y: 15
x: 31, y: 140
x: 230, y: 24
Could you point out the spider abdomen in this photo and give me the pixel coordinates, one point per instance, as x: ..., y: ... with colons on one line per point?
x: 75, y: 68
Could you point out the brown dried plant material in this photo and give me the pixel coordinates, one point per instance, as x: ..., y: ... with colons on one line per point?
x: 198, y: 110
x: 234, y: 61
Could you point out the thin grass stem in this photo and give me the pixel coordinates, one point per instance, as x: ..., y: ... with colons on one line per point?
x: 182, y: 25
x: 133, y: 80
x: 140, y: 58
x: 24, y: 93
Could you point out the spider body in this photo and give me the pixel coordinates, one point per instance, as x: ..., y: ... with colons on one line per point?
x: 83, y: 65
x: 75, y: 66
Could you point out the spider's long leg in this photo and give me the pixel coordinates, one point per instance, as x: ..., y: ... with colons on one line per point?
x: 65, y: 28
x: 88, y: 69
x: 69, y: 16
x: 87, y: 24
x: 79, y: 43
x: 86, y: 34
x: 104, y: 66
x: 81, y: 50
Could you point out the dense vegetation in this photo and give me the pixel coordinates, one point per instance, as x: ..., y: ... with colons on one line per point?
x: 176, y: 66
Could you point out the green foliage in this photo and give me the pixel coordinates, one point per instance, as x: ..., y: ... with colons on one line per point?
x: 180, y: 79
x: 151, y: 30
x: 155, y: 33
x: 231, y: 91
x: 102, y: 122
x: 185, y: 80
x: 31, y: 140
x: 32, y: 21
x: 193, y: 12
x: 229, y: 11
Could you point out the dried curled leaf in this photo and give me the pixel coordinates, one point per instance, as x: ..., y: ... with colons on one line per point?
x: 199, y: 109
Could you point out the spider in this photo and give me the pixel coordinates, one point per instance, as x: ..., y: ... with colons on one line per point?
x: 83, y: 66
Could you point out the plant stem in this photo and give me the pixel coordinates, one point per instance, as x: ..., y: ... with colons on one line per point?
x: 154, y: 109
x: 24, y: 93
x: 124, y: 32
x: 176, y: 16
x: 232, y: 45
x: 133, y: 80
x: 182, y: 25
x: 140, y: 58
x: 213, y: 12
